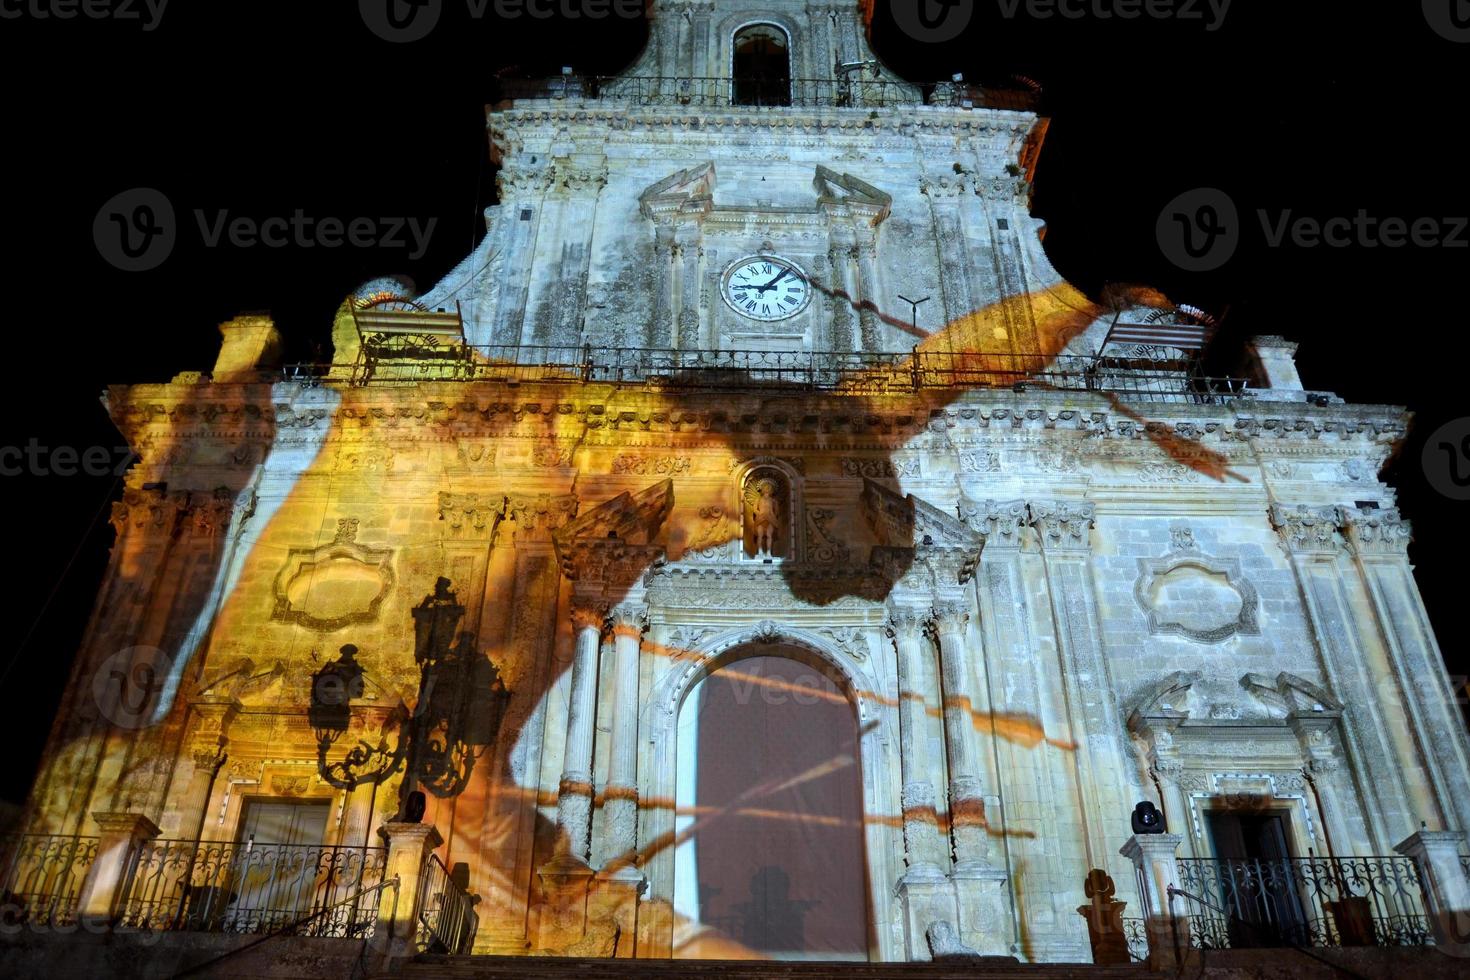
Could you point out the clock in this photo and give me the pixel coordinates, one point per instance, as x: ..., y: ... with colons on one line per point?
x: 766, y: 288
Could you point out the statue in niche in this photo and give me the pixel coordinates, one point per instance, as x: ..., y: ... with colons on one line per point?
x: 763, y: 515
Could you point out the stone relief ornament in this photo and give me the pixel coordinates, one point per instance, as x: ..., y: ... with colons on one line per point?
x: 335, y: 585
x: 1187, y: 594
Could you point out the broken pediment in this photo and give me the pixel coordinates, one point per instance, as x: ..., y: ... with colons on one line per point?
x: 628, y: 517
x: 688, y: 191
x: 848, y: 191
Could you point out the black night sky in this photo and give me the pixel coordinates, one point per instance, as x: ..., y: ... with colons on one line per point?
x: 263, y: 108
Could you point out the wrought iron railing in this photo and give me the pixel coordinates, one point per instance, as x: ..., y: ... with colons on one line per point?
x: 847, y: 92
x: 447, y: 919
x: 41, y: 877
x: 1317, y: 901
x: 1135, y: 933
x: 804, y: 370
x: 224, y: 886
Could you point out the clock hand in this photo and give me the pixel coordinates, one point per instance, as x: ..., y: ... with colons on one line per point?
x: 772, y: 283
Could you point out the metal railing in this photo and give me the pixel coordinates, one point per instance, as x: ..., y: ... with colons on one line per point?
x: 1135, y: 933
x: 707, y: 92
x: 41, y: 877
x: 1316, y: 901
x: 842, y: 372
x: 447, y: 919
x: 225, y: 886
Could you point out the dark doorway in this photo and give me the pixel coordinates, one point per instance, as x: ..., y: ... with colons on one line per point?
x: 779, y: 853
x: 1259, y: 885
x: 762, y: 68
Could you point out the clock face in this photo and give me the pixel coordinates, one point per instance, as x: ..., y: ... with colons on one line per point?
x: 767, y: 287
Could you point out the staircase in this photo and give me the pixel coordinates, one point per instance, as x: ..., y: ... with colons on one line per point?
x: 546, y: 968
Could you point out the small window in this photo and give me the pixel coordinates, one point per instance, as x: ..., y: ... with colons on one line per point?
x: 525, y: 214
x: 762, y: 66
x: 1004, y: 224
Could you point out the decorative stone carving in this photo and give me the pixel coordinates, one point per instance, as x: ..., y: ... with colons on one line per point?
x: 651, y: 465
x: 1377, y: 532
x: 1307, y: 530
x: 335, y: 585
x: 823, y: 548
x: 470, y: 514
x: 763, y: 514
x: 1186, y: 594
x: 945, y: 945
x: 1063, y: 525
x: 543, y: 513
x: 1000, y: 524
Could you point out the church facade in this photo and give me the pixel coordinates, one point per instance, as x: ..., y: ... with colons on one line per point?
x: 685, y: 409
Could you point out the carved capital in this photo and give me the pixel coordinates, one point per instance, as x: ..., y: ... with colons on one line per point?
x: 470, y: 515
x: 907, y: 622
x: 951, y: 618
x: 588, y: 613
x: 1063, y: 525
x: 1307, y: 530
x: 628, y: 619
x: 1000, y: 523
x: 1377, y: 532
x: 540, y: 516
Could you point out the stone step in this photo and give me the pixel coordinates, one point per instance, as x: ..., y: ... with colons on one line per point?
x: 548, y: 968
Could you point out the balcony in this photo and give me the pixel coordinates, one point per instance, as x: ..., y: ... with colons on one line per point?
x: 1306, y: 902
x: 41, y: 877
x: 804, y: 93
x: 1131, y: 380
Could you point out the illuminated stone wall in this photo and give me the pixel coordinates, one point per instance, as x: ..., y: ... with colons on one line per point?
x: 1042, y: 605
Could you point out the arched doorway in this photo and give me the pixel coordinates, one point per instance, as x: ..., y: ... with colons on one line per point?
x: 762, y: 66
x: 770, y: 862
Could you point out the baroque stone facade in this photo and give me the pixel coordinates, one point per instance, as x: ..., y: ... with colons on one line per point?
x: 1043, y: 604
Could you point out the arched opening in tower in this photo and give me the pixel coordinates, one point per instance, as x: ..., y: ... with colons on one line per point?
x: 770, y: 797
x: 762, y: 67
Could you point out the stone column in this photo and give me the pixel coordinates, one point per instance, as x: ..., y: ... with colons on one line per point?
x: 1155, y: 860
x: 1417, y: 681
x: 1063, y: 529
x: 687, y: 337
x: 925, y: 849
x: 629, y: 619
x: 966, y: 785
x: 1446, y: 883
x: 1309, y: 536
x: 574, y: 796
x: 866, y: 254
x: 840, y: 302
x: 1315, y: 732
x: 105, y: 887
x: 665, y: 259
x: 205, y: 748
x: 409, y: 846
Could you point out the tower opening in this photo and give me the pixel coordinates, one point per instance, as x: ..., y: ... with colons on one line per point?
x: 762, y: 66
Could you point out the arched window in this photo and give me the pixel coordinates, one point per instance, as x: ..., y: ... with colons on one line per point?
x: 762, y: 66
